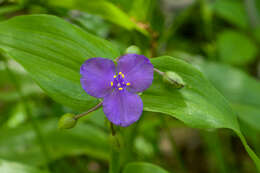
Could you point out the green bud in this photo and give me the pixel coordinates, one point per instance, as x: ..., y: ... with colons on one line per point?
x: 67, y: 121
x: 173, y: 79
x: 133, y: 49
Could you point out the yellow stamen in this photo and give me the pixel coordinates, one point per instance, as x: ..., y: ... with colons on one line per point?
x: 120, y: 73
x: 128, y: 84
x: 111, y: 83
x: 123, y: 76
x: 120, y: 88
x: 114, y: 76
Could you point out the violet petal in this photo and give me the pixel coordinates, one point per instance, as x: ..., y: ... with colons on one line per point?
x: 96, y: 76
x: 122, y: 107
x: 138, y: 70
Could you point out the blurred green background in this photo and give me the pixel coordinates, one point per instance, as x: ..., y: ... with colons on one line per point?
x: 219, y: 37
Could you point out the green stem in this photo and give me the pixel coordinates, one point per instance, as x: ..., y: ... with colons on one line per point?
x: 206, y: 15
x: 114, y: 161
x: 35, y: 127
x: 175, y: 149
x: 215, y: 150
x: 251, y: 153
x: 114, y: 164
x: 89, y: 111
x: 158, y: 71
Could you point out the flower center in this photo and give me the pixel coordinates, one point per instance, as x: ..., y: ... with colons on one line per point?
x: 119, y: 82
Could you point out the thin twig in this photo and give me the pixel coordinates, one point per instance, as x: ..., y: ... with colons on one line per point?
x: 89, y: 111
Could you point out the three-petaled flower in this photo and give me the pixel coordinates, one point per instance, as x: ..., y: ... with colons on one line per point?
x: 118, y: 85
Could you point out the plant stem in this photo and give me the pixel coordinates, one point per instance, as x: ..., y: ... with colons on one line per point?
x: 89, y: 111
x: 112, y: 129
x: 175, y: 149
x: 215, y: 150
x: 35, y: 127
x: 114, y: 164
x: 158, y: 71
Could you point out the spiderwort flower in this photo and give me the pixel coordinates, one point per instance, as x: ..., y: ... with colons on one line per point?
x: 118, y: 85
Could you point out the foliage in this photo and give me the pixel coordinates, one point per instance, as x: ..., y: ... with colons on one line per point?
x: 210, y: 47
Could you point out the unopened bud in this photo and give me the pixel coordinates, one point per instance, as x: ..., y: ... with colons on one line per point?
x: 133, y: 49
x: 67, y: 121
x: 173, y: 79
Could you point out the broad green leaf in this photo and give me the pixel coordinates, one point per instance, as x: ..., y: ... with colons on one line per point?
x: 20, y: 144
x: 14, y: 167
x: 239, y: 88
x: 142, y: 167
x: 198, y: 104
x: 235, y: 48
x: 233, y: 11
x: 52, y: 50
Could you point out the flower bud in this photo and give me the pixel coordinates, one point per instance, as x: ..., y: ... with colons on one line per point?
x: 133, y: 49
x: 67, y: 121
x: 173, y: 79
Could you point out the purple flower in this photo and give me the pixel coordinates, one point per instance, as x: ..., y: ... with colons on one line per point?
x: 118, y: 85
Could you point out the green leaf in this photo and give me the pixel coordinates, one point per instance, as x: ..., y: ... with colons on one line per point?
x: 142, y: 167
x: 52, y: 51
x: 239, y: 88
x: 198, y: 104
x: 233, y: 11
x: 14, y: 167
x: 20, y: 144
x: 235, y: 48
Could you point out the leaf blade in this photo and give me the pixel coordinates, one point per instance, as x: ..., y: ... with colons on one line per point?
x: 191, y: 103
x: 58, y: 49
